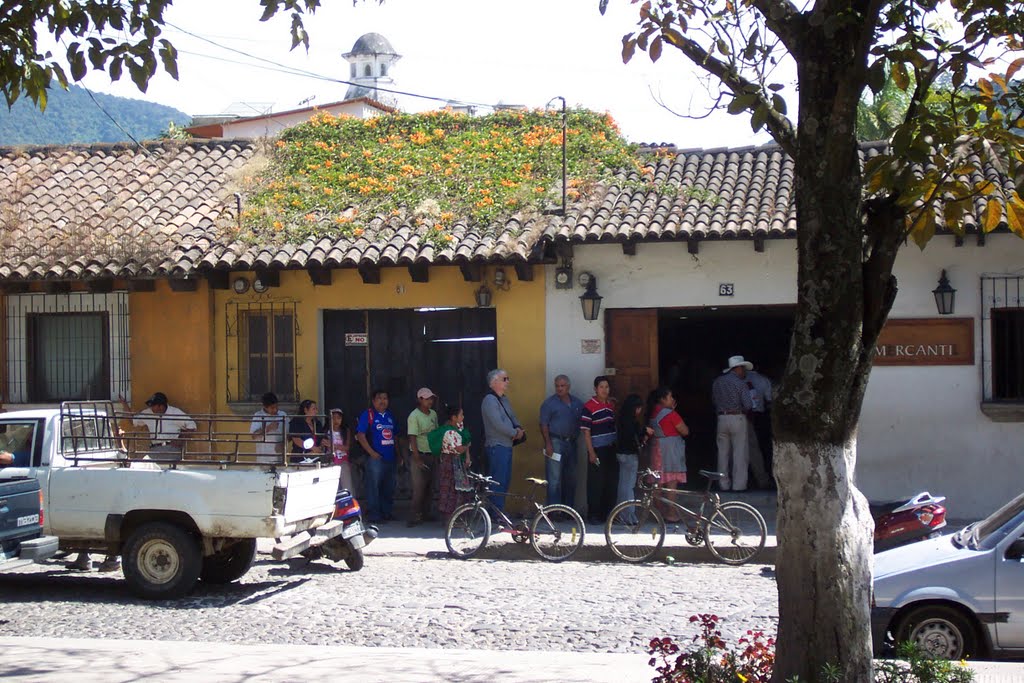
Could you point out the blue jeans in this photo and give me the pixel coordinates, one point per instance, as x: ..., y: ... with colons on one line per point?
x: 561, y: 475
x: 628, y: 464
x: 499, y: 463
x: 380, y: 488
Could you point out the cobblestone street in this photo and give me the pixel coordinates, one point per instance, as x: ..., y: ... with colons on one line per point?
x: 406, y: 599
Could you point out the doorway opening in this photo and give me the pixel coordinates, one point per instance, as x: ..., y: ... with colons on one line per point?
x: 694, y: 345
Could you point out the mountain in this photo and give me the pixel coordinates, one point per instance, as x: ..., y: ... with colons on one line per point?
x: 72, y: 116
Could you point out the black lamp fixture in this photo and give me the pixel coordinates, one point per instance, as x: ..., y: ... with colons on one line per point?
x: 590, y: 300
x: 945, y: 295
x: 483, y: 296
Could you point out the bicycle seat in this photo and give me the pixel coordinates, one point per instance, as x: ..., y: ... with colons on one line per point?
x: 713, y: 476
x: 537, y: 482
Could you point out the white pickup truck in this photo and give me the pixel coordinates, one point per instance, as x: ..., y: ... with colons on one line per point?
x: 174, y: 521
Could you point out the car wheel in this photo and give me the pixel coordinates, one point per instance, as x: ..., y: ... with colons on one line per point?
x: 940, y: 632
x: 161, y: 561
x: 229, y: 564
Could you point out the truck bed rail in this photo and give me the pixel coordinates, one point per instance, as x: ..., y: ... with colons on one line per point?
x: 100, y: 431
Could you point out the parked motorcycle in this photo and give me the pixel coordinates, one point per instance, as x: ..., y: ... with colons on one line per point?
x: 902, y: 522
x: 348, y: 546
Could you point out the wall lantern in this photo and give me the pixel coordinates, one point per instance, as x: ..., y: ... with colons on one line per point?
x: 590, y: 300
x: 483, y: 296
x: 945, y: 296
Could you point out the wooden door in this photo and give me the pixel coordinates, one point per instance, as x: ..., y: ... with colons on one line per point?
x: 632, y: 350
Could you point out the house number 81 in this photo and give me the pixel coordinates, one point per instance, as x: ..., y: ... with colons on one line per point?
x: 726, y: 289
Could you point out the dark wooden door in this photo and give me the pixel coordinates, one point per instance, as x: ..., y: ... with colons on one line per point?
x: 449, y: 351
x: 632, y: 350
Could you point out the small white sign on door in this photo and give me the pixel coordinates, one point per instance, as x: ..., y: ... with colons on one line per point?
x: 357, y: 339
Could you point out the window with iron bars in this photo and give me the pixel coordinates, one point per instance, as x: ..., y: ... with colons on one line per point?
x: 261, y: 338
x: 67, y: 347
x: 1002, y: 338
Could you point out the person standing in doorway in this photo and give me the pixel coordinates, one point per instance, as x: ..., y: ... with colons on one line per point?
x: 632, y: 433
x: 376, y: 433
x: 502, y: 431
x: 668, y: 456
x: 598, y: 427
x: 268, y: 429
x: 455, y: 461
x: 759, y: 428
x: 305, y: 431
x: 559, y: 426
x: 338, y: 441
x: 731, y: 397
x: 422, y: 463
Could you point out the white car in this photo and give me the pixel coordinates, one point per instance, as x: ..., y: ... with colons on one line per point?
x: 956, y: 596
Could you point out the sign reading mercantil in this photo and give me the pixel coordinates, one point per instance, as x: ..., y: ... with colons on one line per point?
x: 357, y: 339
x: 926, y: 341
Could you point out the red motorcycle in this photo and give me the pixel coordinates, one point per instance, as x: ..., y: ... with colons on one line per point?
x: 902, y: 522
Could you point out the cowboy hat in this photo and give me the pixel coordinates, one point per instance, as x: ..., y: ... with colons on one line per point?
x: 737, y: 361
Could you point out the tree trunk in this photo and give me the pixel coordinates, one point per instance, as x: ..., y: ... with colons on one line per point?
x: 824, y: 563
x: 845, y: 290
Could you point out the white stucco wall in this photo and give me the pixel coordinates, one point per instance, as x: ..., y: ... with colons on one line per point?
x: 921, y: 427
x: 273, y: 124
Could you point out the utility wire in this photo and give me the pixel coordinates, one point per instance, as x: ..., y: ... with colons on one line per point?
x: 311, y: 74
x: 110, y: 116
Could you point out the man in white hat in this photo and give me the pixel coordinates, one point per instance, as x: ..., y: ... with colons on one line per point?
x: 731, y: 397
x: 422, y: 463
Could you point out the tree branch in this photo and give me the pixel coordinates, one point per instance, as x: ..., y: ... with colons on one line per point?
x: 784, y: 20
x: 780, y: 127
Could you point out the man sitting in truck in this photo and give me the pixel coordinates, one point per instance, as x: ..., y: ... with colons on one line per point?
x: 167, y: 424
x: 16, y: 445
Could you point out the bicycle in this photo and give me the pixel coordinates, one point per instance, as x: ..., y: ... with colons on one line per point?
x: 556, y: 532
x: 734, y: 532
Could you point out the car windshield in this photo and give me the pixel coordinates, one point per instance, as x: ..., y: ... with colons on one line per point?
x: 991, y: 529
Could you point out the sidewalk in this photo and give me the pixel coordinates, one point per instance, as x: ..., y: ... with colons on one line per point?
x: 427, y: 540
x: 28, y: 660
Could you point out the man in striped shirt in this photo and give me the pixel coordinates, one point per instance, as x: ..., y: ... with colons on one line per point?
x: 597, y: 424
x: 731, y: 397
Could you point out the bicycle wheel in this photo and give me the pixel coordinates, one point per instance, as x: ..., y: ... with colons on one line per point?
x: 634, y: 531
x: 735, y: 533
x: 556, y: 532
x: 468, y: 531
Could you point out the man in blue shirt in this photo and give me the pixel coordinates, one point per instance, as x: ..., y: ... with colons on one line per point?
x: 376, y: 432
x: 560, y: 426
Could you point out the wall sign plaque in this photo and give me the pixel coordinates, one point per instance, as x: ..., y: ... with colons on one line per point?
x: 357, y: 339
x: 926, y: 341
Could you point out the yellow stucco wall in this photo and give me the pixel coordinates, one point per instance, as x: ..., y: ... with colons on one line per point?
x: 172, y: 347
x: 520, y: 331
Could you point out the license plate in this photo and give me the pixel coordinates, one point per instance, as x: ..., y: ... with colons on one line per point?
x: 352, y: 529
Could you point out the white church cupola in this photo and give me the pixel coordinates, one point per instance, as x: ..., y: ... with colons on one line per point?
x: 370, y: 62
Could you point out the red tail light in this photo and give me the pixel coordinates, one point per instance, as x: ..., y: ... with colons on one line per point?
x: 42, y: 517
x: 349, y: 510
x: 932, y: 515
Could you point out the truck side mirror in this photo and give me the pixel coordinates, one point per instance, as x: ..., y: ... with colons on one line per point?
x: 1016, y: 550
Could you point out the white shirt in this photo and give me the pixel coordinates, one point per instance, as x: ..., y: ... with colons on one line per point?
x: 164, y: 427
x: 277, y: 426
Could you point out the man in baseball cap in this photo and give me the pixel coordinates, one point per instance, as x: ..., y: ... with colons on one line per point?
x: 422, y: 463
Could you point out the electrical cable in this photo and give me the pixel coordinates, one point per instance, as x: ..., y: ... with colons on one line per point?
x: 311, y: 74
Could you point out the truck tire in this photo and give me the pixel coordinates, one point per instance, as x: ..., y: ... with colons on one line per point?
x: 161, y: 561
x: 229, y: 564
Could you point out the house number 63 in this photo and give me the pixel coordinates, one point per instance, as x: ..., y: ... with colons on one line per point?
x: 726, y: 289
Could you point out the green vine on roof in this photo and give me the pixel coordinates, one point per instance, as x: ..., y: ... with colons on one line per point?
x: 333, y: 176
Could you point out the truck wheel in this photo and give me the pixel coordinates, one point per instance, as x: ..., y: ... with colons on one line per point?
x: 230, y: 563
x: 355, y: 560
x: 161, y: 561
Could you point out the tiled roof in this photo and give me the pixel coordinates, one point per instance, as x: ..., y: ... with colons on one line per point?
x: 740, y: 193
x: 117, y: 211
x: 110, y: 210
